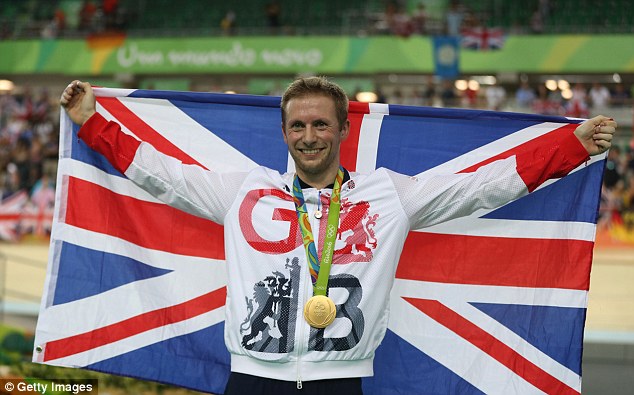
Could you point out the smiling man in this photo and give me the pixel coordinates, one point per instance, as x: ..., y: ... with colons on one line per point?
x: 313, y: 127
x: 307, y: 306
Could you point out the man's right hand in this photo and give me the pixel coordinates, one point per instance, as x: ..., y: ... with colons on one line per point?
x: 79, y: 101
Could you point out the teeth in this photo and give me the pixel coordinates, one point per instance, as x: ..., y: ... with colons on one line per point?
x: 310, y: 151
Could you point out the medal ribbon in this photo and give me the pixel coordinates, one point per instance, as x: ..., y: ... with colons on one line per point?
x: 319, y: 272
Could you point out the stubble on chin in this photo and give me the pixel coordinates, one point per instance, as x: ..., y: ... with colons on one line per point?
x: 310, y: 168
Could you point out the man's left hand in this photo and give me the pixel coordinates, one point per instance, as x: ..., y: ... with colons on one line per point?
x: 596, y: 134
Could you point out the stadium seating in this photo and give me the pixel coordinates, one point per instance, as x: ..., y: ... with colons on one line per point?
x: 24, y: 18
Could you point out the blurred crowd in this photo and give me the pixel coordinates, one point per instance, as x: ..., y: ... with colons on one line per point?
x: 616, y: 212
x: 29, y: 135
x: 29, y: 138
x: 29, y: 145
x: 92, y: 17
x: 76, y: 18
x: 52, y: 19
x: 578, y: 100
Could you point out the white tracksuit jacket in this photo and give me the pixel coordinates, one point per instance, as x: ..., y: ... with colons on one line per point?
x: 268, y: 279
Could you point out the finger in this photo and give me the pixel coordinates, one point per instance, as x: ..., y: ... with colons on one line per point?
x: 77, y: 88
x: 81, y: 85
x: 65, y: 98
x: 603, y: 124
x: 85, y: 86
x: 69, y: 90
x: 608, y: 124
x: 599, y: 129
x: 603, y: 136
x: 603, y: 128
x: 602, y: 145
x: 601, y: 133
x: 71, y: 87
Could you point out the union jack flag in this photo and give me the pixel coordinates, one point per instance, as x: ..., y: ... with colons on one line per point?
x: 491, y: 303
x: 11, y: 208
x: 483, y: 38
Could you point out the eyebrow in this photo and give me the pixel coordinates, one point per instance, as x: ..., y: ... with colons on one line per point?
x: 318, y: 120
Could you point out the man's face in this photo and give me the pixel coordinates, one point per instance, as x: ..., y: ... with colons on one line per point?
x: 313, y: 135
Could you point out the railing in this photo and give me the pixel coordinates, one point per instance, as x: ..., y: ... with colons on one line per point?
x: 351, y: 24
x: 14, y: 299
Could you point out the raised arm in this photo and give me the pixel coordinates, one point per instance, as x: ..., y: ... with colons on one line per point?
x: 593, y: 137
x: 78, y: 99
x: 190, y: 188
x: 439, y: 198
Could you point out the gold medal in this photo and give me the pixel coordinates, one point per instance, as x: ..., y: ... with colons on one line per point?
x: 318, y: 214
x: 320, y: 311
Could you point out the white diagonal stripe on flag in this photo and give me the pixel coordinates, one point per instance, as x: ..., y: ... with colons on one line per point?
x: 368, y: 142
x: 491, y: 227
x: 140, y: 340
x: 473, y: 365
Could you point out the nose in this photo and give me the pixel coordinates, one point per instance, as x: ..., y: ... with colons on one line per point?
x: 310, y: 135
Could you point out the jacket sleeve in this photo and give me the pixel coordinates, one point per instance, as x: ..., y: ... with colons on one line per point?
x: 190, y: 188
x: 434, y: 199
x: 546, y: 162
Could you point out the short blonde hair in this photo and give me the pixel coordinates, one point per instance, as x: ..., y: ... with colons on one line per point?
x: 317, y: 86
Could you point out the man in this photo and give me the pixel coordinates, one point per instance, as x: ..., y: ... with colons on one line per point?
x: 282, y: 333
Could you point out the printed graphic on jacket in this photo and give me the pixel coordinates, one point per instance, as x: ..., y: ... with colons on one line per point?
x: 356, y: 239
x: 347, y: 329
x: 270, y: 325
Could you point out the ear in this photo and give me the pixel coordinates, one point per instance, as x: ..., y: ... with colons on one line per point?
x: 284, y: 134
x: 345, y: 130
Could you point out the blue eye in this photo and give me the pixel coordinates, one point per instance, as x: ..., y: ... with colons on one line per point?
x: 297, y: 126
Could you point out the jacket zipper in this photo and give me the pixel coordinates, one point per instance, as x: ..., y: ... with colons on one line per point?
x: 300, y: 348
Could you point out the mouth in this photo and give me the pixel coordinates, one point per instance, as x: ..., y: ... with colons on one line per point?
x: 311, y: 151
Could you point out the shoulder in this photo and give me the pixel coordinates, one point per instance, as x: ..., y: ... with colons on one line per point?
x: 379, y: 178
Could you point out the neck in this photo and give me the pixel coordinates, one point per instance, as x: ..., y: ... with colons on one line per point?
x: 318, y: 181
